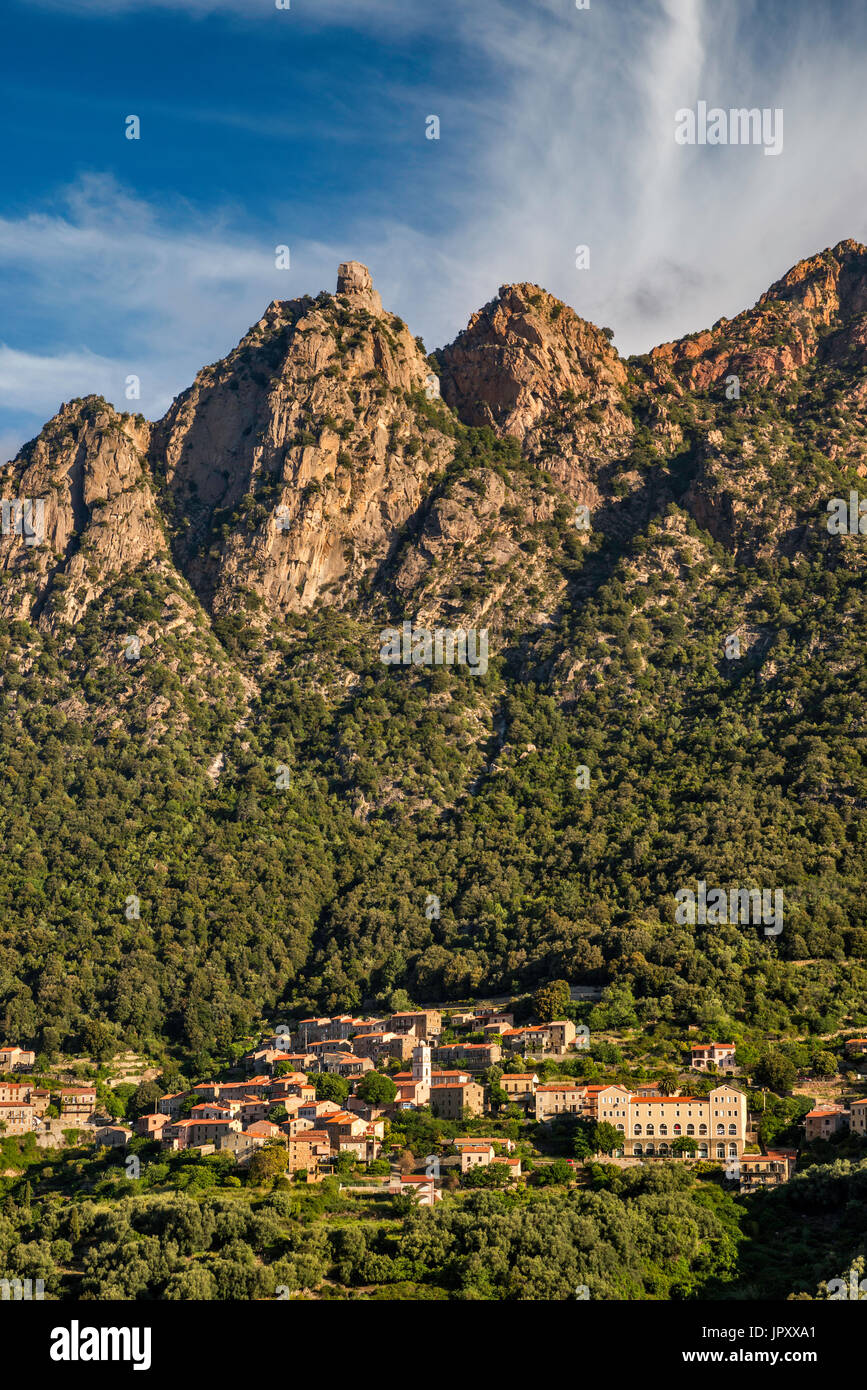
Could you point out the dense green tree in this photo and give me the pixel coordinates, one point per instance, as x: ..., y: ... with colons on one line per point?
x: 376, y: 1089
x: 776, y: 1072
x: 267, y: 1162
x: 330, y: 1086
x: 551, y: 1001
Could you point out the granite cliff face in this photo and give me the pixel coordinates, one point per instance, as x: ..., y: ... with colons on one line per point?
x: 528, y: 366
x: 99, y: 515
x: 787, y: 329
x: 294, y: 463
x: 327, y: 461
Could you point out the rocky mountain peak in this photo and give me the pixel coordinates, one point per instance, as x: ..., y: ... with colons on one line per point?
x: 295, y: 460
x: 518, y: 358
x: 98, y: 516
x: 784, y: 330
x: 832, y: 283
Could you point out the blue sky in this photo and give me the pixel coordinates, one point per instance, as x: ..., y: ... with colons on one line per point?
x: 306, y: 127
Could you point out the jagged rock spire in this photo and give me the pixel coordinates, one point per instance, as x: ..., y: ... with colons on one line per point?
x: 356, y: 283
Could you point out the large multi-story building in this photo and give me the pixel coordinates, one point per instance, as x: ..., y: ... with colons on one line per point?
x: 365, y: 1026
x: 77, y: 1102
x: 343, y: 1064
x: 858, y: 1121
x: 474, y: 1057
x: 574, y: 1098
x: 450, y: 1102
x: 171, y: 1104
x: 381, y: 1042
x: 560, y: 1098
x: 16, y: 1117
x: 308, y: 1150
x: 520, y: 1086
x: 349, y: 1133
x: 14, y: 1092
x: 328, y: 1044
x: 189, y: 1134
x: 312, y: 1029
x: 13, y: 1058
x: 150, y: 1126
x: 765, y: 1170
x: 650, y: 1124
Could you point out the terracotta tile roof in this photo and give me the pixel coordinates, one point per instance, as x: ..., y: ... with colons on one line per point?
x: 187, y: 1123
x: 667, y: 1100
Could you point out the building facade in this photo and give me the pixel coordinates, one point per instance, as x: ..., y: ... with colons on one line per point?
x: 450, y: 1102
x: 651, y: 1124
x: 716, y: 1056
x: 824, y: 1121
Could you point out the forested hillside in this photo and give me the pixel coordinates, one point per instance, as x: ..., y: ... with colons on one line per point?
x: 219, y: 805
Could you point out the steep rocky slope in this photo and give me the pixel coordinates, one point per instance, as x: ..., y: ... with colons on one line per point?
x: 667, y: 609
x: 528, y: 366
x: 294, y: 463
x: 99, y: 516
x: 825, y: 295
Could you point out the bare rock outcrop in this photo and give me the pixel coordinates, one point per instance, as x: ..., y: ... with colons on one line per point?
x: 528, y: 366
x: 785, y: 330
x: 296, y: 460
x: 83, y: 491
x: 355, y: 283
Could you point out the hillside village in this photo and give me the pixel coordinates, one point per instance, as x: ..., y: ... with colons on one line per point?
x: 327, y: 1096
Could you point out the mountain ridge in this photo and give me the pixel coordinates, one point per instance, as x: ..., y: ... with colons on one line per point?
x: 523, y: 359
x: 647, y: 549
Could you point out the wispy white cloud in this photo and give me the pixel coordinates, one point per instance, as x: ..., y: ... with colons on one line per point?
x: 572, y: 142
x: 28, y: 381
x: 584, y: 152
x: 404, y: 13
x: 135, y: 290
